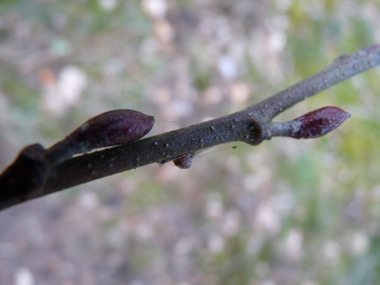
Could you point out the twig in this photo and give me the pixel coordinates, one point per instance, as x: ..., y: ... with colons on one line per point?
x: 252, y: 125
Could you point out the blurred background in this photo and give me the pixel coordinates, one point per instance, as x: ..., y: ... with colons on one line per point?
x: 285, y: 212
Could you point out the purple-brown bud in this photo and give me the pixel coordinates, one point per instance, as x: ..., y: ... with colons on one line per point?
x: 319, y: 122
x: 107, y: 129
x: 184, y: 162
x: 112, y: 128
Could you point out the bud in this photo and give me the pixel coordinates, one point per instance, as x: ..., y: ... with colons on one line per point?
x: 184, y: 162
x: 319, y: 122
x: 107, y: 129
x: 25, y: 177
x: 112, y: 128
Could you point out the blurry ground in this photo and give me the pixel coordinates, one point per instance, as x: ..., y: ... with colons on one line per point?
x: 285, y: 212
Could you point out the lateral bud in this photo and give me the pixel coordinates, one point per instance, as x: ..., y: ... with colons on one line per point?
x: 185, y: 161
x: 107, y: 129
x: 316, y: 123
x: 25, y: 177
